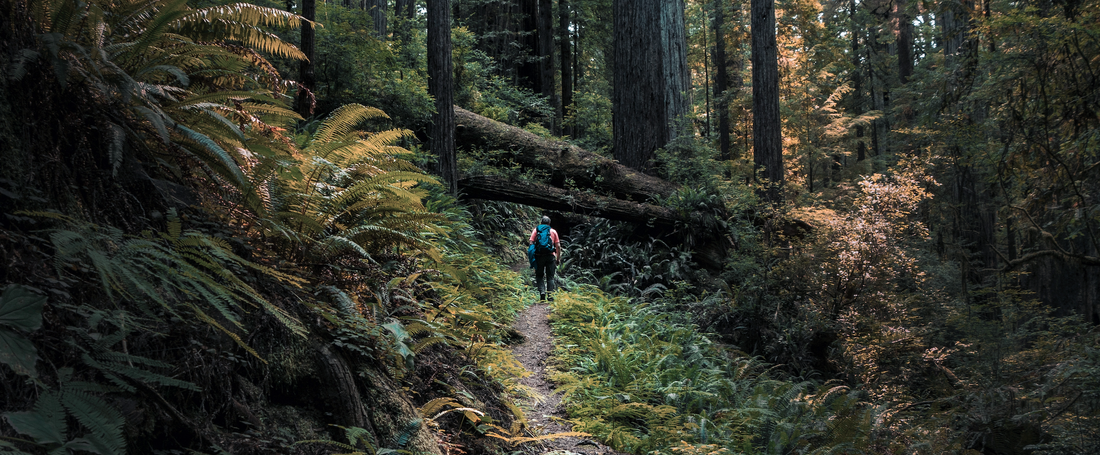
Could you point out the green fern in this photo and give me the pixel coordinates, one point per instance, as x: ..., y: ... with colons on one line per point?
x: 182, y: 270
x: 46, y: 423
x: 20, y: 310
x: 350, y: 194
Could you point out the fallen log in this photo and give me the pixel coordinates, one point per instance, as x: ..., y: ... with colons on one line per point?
x: 548, y: 197
x: 564, y: 160
x: 710, y: 251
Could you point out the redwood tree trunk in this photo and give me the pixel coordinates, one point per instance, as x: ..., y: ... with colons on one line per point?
x: 903, y: 37
x: 529, y: 74
x: 767, y: 141
x: 307, y: 78
x: 721, y: 100
x: 441, y: 132
x: 651, y: 80
x: 677, y: 76
x: 858, y: 103
x: 546, y: 61
x: 566, y: 67
x: 378, y: 16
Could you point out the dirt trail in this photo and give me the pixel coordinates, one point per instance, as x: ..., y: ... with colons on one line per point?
x: 544, y: 412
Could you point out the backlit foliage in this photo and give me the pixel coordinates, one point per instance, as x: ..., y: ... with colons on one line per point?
x: 350, y: 193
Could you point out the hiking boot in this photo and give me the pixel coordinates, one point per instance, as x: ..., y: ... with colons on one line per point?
x: 549, y: 298
x: 542, y: 297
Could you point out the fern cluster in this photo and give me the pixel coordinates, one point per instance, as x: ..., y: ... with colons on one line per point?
x: 644, y: 382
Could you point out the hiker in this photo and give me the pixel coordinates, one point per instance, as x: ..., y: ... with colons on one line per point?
x: 547, y: 248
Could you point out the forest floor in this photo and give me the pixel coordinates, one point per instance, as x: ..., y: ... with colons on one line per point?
x: 545, y: 412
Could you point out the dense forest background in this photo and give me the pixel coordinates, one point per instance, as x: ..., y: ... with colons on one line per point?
x: 792, y: 226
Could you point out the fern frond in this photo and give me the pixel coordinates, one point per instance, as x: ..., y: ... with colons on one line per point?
x: 432, y: 407
x: 103, y: 420
x: 45, y: 423
x: 401, y: 439
x: 228, y: 166
x: 343, y: 120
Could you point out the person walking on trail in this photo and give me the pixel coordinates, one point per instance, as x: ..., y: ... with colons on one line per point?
x: 547, y: 249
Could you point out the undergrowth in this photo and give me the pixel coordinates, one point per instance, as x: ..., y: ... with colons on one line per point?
x: 646, y: 383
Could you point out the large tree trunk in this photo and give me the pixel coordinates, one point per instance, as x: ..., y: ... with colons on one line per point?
x: 546, y: 61
x: 564, y: 160
x: 306, y: 77
x: 441, y: 87
x: 858, y: 105
x: 566, y: 68
x: 903, y: 36
x: 548, y: 197
x: 378, y: 16
x: 767, y: 132
x: 721, y: 100
x: 677, y: 76
x: 529, y: 74
x: 342, y: 392
x: 650, y: 63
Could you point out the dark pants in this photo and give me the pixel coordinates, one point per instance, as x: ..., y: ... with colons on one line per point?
x: 544, y: 273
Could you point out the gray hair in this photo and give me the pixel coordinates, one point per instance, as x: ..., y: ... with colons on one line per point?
x: 546, y: 220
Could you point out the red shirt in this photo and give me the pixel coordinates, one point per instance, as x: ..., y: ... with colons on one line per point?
x: 553, y: 238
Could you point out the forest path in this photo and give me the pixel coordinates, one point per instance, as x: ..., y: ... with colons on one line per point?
x: 545, y: 409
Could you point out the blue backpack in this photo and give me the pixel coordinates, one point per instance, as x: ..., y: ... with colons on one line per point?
x: 544, y: 245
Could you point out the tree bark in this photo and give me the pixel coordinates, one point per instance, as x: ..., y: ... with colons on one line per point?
x: 546, y: 61
x: 706, y: 76
x: 441, y: 87
x: 566, y: 68
x: 677, y: 76
x: 903, y: 37
x: 767, y: 134
x: 306, y: 76
x: 343, y: 393
x: 529, y: 74
x: 548, y: 197
x: 638, y: 119
x: 721, y: 100
x: 650, y: 86
x: 378, y: 16
x: 858, y: 104
x: 564, y: 160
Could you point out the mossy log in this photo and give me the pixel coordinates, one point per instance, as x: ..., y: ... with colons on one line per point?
x: 565, y: 161
x: 548, y: 197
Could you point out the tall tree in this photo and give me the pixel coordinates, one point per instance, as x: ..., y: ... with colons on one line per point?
x: 306, y: 76
x: 546, y: 60
x: 441, y: 132
x: 767, y: 141
x: 902, y: 24
x: 566, y: 67
x: 377, y: 9
x: 674, y: 64
x: 721, y: 100
x: 529, y: 74
x: 649, y: 94
x: 856, y: 100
